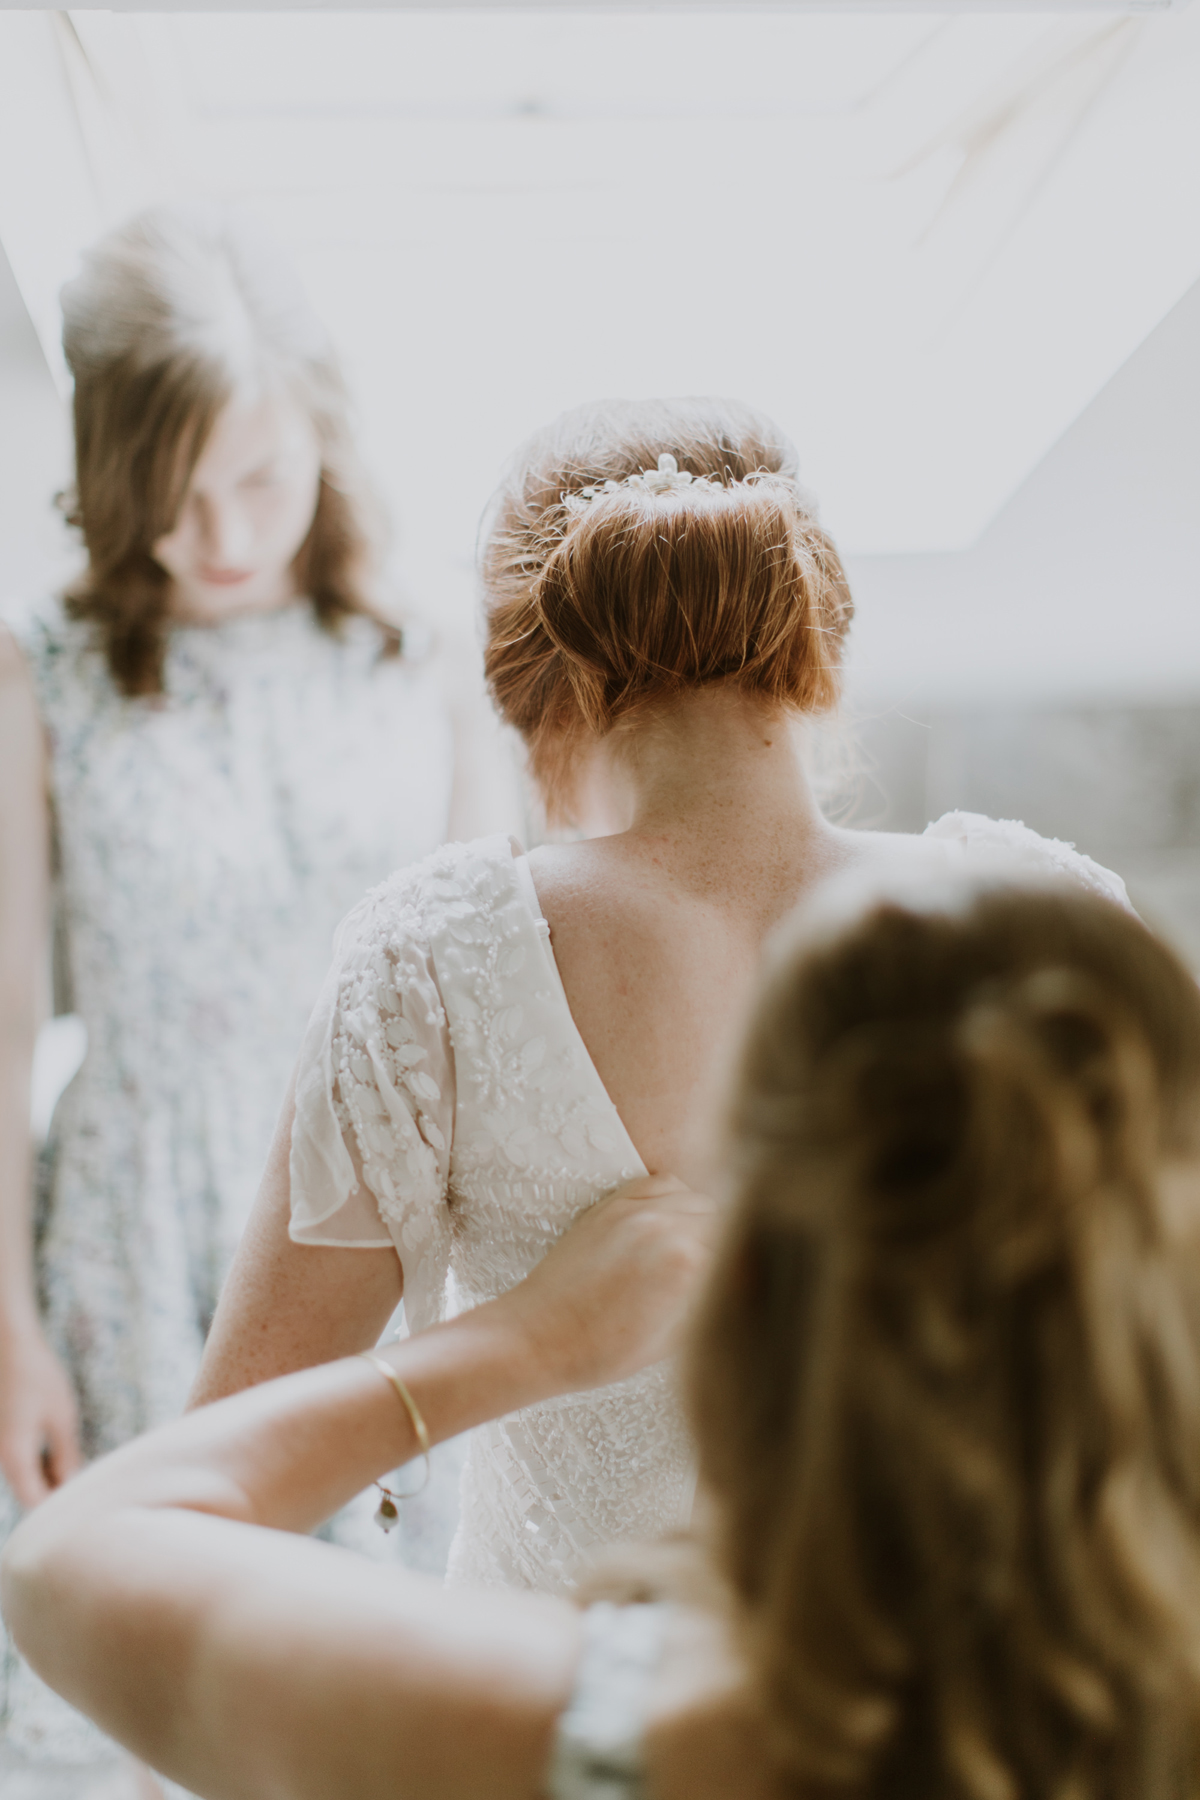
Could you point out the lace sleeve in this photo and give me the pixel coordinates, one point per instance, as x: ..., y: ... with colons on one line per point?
x: 375, y: 1100
x: 976, y: 834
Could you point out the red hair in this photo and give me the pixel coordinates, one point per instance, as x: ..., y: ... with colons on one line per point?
x: 598, y: 611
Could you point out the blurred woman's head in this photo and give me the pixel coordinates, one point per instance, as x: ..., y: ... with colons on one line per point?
x: 214, y: 467
x: 947, y: 1378
x: 247, y: 509
x: 614, y: 584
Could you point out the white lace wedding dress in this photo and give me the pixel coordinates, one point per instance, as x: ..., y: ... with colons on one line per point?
x: 447, y: 1105
x: 444, y: 1059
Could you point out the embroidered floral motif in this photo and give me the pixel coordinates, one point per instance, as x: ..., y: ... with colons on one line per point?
x: 469, y: 1103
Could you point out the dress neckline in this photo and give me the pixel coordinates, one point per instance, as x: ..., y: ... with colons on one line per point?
x: 527, y: 889
x: 254, y: 621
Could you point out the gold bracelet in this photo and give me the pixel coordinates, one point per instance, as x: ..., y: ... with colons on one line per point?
x: 387, y: 1514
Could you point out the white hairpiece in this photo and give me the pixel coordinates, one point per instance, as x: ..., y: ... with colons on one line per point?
x: 661, y: 480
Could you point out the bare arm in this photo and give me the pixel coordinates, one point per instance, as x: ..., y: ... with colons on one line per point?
x: 289, y: 1306
x: 292, y: 1306
x: 243, y: 1664
x: 38, y: 1446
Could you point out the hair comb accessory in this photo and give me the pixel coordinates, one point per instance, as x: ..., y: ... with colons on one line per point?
x: 659, y: 480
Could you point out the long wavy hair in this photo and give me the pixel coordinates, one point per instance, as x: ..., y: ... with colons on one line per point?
x: 946, y: 1379
x: 171, y: 314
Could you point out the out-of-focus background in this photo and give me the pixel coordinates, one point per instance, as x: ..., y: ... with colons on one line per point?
x: 954, y: 252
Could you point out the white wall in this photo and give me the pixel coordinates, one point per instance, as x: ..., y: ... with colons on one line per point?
x: 1086, y: 585
x: 35, y: 459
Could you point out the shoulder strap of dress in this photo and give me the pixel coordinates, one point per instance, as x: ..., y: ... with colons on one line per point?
x: 598, y: 1750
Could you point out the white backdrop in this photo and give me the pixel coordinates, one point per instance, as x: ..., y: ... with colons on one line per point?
x: 925, y: 243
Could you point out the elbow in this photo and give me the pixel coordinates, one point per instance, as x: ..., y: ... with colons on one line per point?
x: 49, y: 1607
x: 26, y: 1584
x: 46, y: 1596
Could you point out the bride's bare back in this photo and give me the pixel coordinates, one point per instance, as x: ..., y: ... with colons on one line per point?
x: 655, y: 974
x: 658, y: 929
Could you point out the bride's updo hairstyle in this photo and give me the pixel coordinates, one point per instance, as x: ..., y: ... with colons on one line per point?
x: 946, y: 1383
x: 607, y: 597
x: 171, y: 315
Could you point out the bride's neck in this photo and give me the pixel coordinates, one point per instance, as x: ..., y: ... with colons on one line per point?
x: 713, y: 762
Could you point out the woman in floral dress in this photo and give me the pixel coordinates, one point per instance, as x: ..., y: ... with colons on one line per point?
x: 210, y: 746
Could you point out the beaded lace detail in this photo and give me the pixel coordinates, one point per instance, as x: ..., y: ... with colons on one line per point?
x: 447, y: 1101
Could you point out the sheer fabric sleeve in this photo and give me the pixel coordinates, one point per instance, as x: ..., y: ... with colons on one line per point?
x: 375, y: 1100
x: 976, y: 834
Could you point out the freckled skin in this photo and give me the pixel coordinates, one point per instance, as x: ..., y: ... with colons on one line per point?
x: 657, y: 928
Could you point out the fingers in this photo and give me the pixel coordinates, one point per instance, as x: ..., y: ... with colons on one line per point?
x: 23, y: 1471
x: 672, y: 1199
x: 652, y: 1187
x: 40, y: 1449
x: 680, y: 1243
x: 614, y: 1292
x: 667, y: 1191
x: 661, y: 1212
x: 61, y: 1457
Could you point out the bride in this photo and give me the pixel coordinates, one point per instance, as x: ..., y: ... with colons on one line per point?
x: 504, y: 1037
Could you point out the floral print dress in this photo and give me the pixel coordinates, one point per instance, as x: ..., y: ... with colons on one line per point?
x: 207, y: 843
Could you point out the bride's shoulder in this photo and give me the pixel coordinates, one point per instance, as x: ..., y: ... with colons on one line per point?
x: 456, y: 879
x: 958, y: 838
x: 974, y: 834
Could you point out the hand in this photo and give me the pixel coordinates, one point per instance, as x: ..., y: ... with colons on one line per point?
x: 39, y: 1433
x: 614, y: 1293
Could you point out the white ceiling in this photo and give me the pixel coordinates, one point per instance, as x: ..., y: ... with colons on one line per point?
x: 923, y: 242
x: 1086, y: 585
x: 643, y: 6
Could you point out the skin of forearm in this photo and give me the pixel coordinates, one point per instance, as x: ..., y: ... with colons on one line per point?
x: 163, y: 1624
x: 24, y: 969
x: 333, y: 1438
x: 18, y: 1302
x: 290, y: 1452
x: 288, y: 1306
x: 118, y: 1588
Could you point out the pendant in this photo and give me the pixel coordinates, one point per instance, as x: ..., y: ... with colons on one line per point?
x: 386, y: 1515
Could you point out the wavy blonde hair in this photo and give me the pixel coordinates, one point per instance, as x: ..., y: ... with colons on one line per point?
x: 598, y: 613
x: 946, y: 1381
x: 170, y: 315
